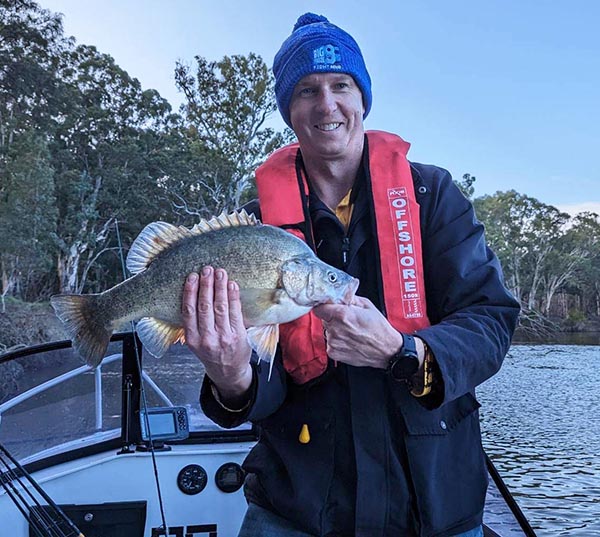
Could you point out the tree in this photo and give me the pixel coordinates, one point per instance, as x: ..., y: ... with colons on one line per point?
x: 227, y: 105
x: 27, y: 213
x: 31, y: 44
x: 466, y: 185
x: 97, y: 152
x: 585, y: 234
x: 523, y: 231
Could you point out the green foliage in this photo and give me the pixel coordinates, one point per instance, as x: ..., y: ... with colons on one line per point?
x: 228, y: 102
x: 466, y: 185
x: 542, y: 250
x: 27, y: 212
x: 83, y: 147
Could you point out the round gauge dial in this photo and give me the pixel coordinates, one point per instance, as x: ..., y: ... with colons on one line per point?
x: 229, y: 477
x: 192, y: 479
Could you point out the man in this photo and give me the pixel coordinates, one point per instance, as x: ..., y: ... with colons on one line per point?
x: 369, y: 424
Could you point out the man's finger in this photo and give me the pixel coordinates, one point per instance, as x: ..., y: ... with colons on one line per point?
x: 221, y: 300
x: 206, y: 319
x: 188, y: 306
x: 236, y: 318
x: 326, y: 312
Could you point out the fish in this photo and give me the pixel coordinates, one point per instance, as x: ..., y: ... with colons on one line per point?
x: 279, y: 276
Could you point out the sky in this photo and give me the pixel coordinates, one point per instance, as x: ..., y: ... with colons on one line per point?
x: 506, y: 90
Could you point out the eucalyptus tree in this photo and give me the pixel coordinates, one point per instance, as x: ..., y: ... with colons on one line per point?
x: 227, y: 106
x: 101, y: 159
x: 27, y: 216
x: 585, y: 238
x: 31, y: 98
x: 523, y: 232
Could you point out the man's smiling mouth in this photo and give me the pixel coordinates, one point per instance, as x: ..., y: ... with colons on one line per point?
x: 328, y: 126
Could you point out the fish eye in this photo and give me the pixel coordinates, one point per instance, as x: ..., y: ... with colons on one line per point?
x: 332, y: 277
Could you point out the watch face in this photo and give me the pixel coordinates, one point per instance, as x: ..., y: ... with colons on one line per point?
x: 404, y: 367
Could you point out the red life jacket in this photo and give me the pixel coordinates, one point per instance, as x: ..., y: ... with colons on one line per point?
x: 283, y: 196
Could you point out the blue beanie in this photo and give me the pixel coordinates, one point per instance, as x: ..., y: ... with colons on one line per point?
x: 317, y: 46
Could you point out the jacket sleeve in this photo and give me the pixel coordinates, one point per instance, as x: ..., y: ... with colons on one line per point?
x: 472, y: 314
x: 266, y: 395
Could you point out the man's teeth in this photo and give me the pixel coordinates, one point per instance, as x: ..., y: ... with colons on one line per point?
x: 328, y: 126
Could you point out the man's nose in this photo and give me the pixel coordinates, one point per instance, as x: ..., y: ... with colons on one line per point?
x: 326, y: 103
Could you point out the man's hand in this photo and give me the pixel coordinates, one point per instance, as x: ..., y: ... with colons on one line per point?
x: 358, y: 334
x: 215, y: 332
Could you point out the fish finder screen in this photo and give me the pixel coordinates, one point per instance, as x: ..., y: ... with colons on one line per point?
x: 162, y: 423
x: 166, y: 423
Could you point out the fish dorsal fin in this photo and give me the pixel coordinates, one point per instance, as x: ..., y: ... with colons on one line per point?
x: 158, y: 236
x: 154, y: 238
x: 234, y: 219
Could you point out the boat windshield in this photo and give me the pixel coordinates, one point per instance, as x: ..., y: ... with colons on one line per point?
x: 50, y: 402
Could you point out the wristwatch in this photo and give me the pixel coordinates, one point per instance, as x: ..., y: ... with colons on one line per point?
x: 405, y: 363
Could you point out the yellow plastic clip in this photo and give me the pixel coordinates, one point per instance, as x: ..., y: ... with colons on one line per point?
x: 304, y: 437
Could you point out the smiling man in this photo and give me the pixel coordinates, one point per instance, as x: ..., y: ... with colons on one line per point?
x: 369, y: 423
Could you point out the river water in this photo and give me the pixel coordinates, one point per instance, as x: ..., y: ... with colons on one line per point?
x: 540, y: 419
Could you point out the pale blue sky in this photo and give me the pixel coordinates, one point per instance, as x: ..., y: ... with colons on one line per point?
x: 508, y: 91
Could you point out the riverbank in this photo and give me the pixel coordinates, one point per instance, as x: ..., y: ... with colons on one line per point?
x: 25, y: 323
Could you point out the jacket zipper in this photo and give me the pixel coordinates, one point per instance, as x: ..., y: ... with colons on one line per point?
x: 345, y: 251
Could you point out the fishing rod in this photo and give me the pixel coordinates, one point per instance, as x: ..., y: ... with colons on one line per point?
x: 143, y: 394
x: 25, y: 492
x: 509, y: 499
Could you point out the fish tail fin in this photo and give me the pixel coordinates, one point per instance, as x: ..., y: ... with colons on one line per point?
x: 80, y: 315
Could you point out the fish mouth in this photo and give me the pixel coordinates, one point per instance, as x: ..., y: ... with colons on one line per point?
x: 328, y: 127
x: 350, y: 291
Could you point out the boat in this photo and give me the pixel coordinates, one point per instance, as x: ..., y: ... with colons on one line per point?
x: 124, y: 449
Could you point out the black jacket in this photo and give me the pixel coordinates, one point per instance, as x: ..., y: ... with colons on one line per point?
x: 381, y: 462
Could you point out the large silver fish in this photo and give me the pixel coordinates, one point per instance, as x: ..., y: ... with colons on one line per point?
x: 280, y: 279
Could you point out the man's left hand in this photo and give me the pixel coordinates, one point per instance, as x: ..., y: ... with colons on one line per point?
x: 358, y: 334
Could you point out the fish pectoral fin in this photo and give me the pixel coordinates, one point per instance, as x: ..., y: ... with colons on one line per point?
x: 256, y: 303
x: 264, y: 339
x: 157, y: 335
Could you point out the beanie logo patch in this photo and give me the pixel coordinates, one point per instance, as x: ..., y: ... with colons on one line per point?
x: 326, y: 57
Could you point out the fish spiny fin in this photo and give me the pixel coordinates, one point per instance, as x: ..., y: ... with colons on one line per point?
x: 234, y: 219
x: 157, y: 336
x: 154, y: 239
x: 264, y: 339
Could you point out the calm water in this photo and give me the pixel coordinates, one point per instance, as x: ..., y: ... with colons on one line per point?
x: 541, y: 424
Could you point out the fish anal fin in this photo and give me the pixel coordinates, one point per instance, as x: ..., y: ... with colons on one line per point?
x: 264, y: 339
x: 157, y: 335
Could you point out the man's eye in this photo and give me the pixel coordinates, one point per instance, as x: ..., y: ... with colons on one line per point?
x: 307, y: 91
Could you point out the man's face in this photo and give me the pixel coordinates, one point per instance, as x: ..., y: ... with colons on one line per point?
x: 326, y: 112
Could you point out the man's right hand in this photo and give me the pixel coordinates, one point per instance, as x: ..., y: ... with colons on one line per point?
x: 215, y: 331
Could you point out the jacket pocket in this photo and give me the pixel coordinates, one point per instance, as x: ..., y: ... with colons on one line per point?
x: 440, y: 421
x: 447, y: 464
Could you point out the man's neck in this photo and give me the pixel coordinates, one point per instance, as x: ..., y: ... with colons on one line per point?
x: 331, y: 179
